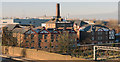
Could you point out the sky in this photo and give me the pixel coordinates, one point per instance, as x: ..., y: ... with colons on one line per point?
x: 98, y: 10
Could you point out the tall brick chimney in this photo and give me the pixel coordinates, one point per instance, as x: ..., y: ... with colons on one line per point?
x: 58, y: 10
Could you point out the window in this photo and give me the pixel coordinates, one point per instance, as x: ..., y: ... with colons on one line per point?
x: 39, y: 40
x: 52, y: 46
x: 52, y: 40
x: 52, y: 36
x: 56, y: 36
x: 39, y: 46
x: 19, y: 21
x: 106, y: 32
x: 92, y: 38
x: 26, y: 47
x: 25, y: 36
x: 4, y: 22
x: 27, y: 41
x: 99, y: 33
x: 45, y: 36
x: 110, y: 32
x: 32, y: 47
x: 40, y: 36
x: 112, y: 37
x: 99, y: 38
x: 92, y: 33
x: 32, y: 41
x: 45, y: 46
x: 45, y: 40
x: 106, y: 38
x: 56, y: 40
x: 109, y: 37
x: 32, y: 36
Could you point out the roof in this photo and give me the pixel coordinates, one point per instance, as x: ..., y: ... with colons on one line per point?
x: 93, y: 28
x: 11, y: 26
x: 20, y: 30
x: 118, y: 34
x: 80, y: 23
x: 50, y: 29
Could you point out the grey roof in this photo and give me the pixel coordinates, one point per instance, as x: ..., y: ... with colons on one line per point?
x: 94, y: 28
x: 20, y: 30
x: 118, y: 34
x: 12, y: 26
x: 37, y: 30
x: 80, y: 23
x: 50, y: 29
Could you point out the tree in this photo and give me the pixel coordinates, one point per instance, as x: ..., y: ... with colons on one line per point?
x: 67, y: 42
x: 7, y: 38
x: 86, y: 41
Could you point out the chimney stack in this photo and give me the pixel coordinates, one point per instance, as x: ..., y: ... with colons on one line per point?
x: 58, y: 10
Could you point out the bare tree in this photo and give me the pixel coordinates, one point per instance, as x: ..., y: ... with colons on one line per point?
x: 7, y: 38
x: 67, y: 42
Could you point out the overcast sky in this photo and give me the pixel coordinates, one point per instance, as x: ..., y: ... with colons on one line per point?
x: 98, y: 10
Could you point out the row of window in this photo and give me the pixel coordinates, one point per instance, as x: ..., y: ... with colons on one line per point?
x: 100, y: 33
x: 40, y: 41
x: 99, y: 38
x: 40, y: 36
x: 44, y: 47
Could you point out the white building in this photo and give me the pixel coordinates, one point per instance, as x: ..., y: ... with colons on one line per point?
x: 4, y: 22
x: 34, y: 22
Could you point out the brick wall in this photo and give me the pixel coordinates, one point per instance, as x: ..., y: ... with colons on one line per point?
x: 36, y: 54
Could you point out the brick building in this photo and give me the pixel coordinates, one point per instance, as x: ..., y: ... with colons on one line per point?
x: 44, y: 39
x: 96, y: 34
x: 57, y: 21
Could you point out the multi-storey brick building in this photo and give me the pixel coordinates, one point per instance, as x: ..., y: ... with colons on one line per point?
x: 44, y: 39
x: 96, y: 34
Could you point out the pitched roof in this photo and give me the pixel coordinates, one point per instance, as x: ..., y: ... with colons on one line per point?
x: 93, y: 28
x: 12, y: 26
x: 20, y: 30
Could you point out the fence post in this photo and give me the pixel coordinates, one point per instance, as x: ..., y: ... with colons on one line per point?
x: 94, y: 53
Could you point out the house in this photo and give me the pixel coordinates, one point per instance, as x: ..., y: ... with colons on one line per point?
x: 45, y: 39
x: 96, y: 34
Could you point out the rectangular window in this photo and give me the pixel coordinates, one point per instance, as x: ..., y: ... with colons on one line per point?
x: 32, y: 36
x: 32, y: 47
x: 106, y: 32
x: 32, y: 41
x: 56, y: 36
x: 45, y: 40
x: 40, y: 36
x: 56, y: 40
x: 25, y: 36
x: 26, y: 47
x: 52, y: 46
x: 92, y: 38
x: 27, y: 41
x: 45, y: 36
x: 52, y: 40
x: 39, y: 46
x: 99, y: 33
x: 92, y: 33
x: 99, y: 38
x: 39, y: 40
x: 4, y: 22
x: 45, y: 46
x: 52, y: 36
